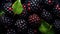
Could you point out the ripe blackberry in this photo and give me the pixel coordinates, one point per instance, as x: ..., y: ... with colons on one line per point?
x: 7, y: 6
x: 47, y: 16
x: 1, y: 4
x: 32, y: 31
x: 56, y: 11
x: 21, y: 25
x: 56, y: 2
x: 56, y: 24
x: 49, y: 1
x: 6, y: 21
x: 56, y: 14
x: 2, y: 29
x: 34, y: 20
x: 48, y: 7
x: 8, y: 9
x: 10, y: 31
x: 32, y: 5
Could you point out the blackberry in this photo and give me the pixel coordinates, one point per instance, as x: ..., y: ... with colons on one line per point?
x: 48, y: 7
x: 56, y: 14
x: 9, y: 14
x: 56, y: 24
x: 47, y: 16
x: 10, y: 31
x: 6, y: 21
x: 32, y: 5
x: 32, y: 31
x: 49, y: 1
x: 1, y: 4
x: 56, y: 11
x: 2, y: 29
x: 56, y: 2
x: 7, y: 6
x: 8, y: 9
x: 34, y: 20
x: 21, y: 25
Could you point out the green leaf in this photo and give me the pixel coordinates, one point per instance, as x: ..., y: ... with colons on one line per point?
x: 1, y: 12
x: 17, y: 7
x: 45, y: 28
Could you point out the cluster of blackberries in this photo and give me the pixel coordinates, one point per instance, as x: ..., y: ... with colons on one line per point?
x: 29, y: 20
